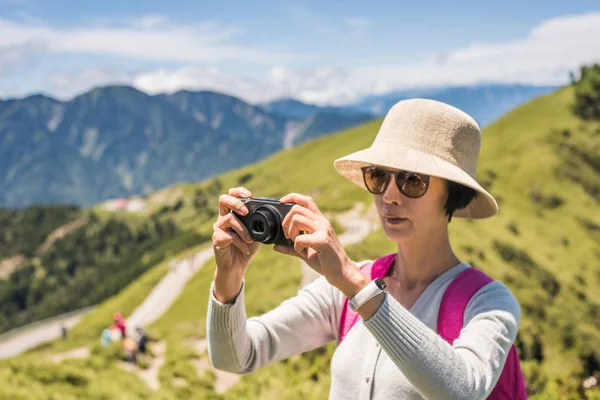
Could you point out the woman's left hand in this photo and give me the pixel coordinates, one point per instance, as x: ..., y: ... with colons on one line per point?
x: 314, y: 239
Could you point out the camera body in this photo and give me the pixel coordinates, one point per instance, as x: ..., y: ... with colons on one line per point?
x: 265, y: 215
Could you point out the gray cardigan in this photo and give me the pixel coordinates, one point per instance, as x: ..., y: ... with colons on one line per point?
x: 395, y: 354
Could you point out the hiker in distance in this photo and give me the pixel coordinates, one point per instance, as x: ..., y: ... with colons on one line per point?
x: 418, y: 323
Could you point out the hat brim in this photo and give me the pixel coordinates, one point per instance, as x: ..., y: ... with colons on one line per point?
x: 482, y: 206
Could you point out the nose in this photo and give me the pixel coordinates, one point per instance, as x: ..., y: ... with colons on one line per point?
x: 392, y: 194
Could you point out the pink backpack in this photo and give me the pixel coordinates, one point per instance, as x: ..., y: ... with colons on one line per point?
x: 511, y: 384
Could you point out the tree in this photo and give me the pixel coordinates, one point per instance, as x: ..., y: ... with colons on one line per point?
x: 587, y: 93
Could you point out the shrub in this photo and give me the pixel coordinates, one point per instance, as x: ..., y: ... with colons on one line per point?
x: 587, y: 93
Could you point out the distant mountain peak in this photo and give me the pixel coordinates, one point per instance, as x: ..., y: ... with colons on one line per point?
x: 289, y: 101
x: 115, y: 141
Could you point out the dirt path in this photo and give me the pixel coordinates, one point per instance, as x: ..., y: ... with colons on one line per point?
x: 75, y: 354
x: 10, y: 265
x: 168, y: 289
x: 153, y: 307
x: 21, y: 339
x: 357, y: 224
x: 61, y: 232
x: 150, y: 374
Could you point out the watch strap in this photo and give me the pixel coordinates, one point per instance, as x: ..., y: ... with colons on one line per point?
x: 374, y: 288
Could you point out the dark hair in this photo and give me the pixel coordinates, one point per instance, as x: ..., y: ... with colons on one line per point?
x: 459, y: 196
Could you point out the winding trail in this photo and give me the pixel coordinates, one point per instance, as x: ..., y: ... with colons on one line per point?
x: 168, y: 289
x: 18, y: 340
x: 159, y: 300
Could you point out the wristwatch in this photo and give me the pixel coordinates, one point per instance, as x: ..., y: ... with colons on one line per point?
x: 374, y: 288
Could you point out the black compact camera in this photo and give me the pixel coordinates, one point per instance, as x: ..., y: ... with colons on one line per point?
x: 264, y: 218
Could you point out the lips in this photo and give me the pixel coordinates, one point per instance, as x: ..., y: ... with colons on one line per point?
x: 390, y: 216
x: 394, y: 220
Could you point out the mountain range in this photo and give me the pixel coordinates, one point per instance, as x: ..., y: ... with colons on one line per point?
x: 116, y: 141
x: 485, y: 102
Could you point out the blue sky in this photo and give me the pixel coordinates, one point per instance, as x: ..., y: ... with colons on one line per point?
x: 317, y: 51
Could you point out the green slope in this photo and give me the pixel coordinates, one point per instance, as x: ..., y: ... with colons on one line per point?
x: 542, y: 163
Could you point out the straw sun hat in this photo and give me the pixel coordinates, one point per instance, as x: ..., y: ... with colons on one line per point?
x: 428, y: 137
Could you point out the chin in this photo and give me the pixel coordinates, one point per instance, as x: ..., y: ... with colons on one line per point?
x: 396, y: 234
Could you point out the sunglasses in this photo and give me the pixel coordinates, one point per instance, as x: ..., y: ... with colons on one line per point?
x: 411, y: 184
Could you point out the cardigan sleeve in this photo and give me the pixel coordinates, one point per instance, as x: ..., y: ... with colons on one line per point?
x: 301, y: 323
x: 470, y: 367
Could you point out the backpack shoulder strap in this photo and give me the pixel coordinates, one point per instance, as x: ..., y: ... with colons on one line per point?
x: 511, y: 384
x: 375, y: 269
x: 455, y: 301
x: 349, y: 317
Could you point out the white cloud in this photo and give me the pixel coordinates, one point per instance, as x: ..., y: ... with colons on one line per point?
x: 14, y: 55
x: 544, y: 56
x: 66, y: 85
x: 150, y: 38
x: 192, y: 78
x: 9, y: 91
x: 317, y: 86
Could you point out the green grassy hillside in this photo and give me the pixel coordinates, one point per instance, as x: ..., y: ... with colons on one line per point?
x: 542, y: 164
x: 55, y: 259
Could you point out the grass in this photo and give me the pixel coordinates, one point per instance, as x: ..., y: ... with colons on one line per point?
x: 544, y: 245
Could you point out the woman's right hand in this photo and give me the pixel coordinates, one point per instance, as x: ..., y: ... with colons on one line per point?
x: 233, y: 246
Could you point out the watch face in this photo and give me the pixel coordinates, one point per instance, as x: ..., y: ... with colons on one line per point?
x: 380, y: 283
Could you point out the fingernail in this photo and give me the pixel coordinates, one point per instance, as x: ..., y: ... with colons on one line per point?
x: 245, y: 210
x: 245, y: 192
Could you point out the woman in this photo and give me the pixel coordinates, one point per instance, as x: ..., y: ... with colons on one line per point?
x: 421, y: 170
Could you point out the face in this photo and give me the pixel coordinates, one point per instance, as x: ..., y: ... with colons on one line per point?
x: 403, y: 217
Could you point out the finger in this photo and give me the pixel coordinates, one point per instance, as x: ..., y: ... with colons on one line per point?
x: 239, y: 192
x: 230, y: 221
x: 311, y: 240
x: 240, y: 244
x: 223, y: 239
x: 305, y: 252
x: 300, y: 250
x: 228, y: 203
x: 300, y: 223
x: 297, y: 210
x: 288, y: 250
x: 304, y: 201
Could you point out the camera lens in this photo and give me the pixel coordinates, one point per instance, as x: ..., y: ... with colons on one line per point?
x: 264, y: 224
x: 258, y: 226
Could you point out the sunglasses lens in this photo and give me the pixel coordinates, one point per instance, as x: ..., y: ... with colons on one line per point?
x: 376, y: 179
x: 413, y: 185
